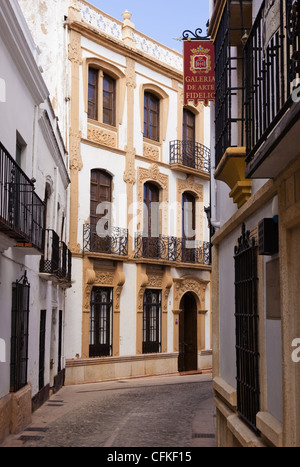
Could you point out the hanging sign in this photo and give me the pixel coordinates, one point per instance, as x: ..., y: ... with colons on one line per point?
x: 199, y: 74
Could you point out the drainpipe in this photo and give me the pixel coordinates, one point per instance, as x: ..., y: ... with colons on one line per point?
x: 34, y: 143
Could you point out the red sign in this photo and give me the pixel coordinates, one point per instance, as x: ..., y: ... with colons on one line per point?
x: 199, y: 74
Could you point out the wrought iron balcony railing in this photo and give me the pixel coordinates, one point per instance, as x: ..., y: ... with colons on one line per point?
x: 21, y: 210
x: 272, y: 71
x: 190, y: 154
x: 115, y: 243
x: 57, y: 258
x: 172, y: 249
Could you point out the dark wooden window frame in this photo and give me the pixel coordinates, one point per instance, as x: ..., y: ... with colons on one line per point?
x: 99, y: 80
x: 151, y: 116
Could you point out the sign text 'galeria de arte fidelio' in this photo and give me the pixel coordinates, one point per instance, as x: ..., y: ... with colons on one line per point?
x: 199, y: 74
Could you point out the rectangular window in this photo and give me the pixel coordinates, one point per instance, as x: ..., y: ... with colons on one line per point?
x: 101, y: 322
x: 109, y: 86
x: 151, y: 321
x: 19, y: 334
x: 151, y: 117
x: 93, y: 94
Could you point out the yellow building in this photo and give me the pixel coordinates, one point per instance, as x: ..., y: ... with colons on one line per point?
x: 256, y: 212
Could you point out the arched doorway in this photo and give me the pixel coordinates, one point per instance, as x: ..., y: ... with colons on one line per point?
x: 188, y: 355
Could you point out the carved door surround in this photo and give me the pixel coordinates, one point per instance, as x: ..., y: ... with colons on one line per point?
x: 97, y: 275
x: 197, y: 287
x: 153, y: 279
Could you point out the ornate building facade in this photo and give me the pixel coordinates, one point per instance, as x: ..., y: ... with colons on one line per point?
x: 140, y: 302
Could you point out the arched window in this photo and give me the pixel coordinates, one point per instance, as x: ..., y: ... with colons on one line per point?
x: 100, y: 199
x: 188, y: 126
x: 151, y: 228
x: 188, y: 227
x: 151, y: 116
x: 188, y: 138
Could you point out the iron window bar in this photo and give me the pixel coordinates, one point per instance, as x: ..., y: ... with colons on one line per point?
x: 19, y: 334
x: 21, y: 210
x: 229, y: 121
x: 168, y: 248
x: 190, y: 154
x: 270, y: 71
x: 115, y: 243
x: 57, y: 258
x: 246, y: 316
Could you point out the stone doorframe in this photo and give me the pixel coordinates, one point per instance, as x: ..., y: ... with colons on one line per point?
x: 97, y: 275
x: 197, y: 287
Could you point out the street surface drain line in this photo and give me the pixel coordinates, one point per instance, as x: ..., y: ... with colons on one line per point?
x: 30, y: 438
x: 34, y: 428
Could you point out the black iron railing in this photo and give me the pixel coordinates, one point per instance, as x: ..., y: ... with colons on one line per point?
x: 229, y: 118
x: 115, y: 243
x: 190, y: 154
x: 272, y: 71
x: 21, y: 210
x: 57, y: 258
x: 172, y: 249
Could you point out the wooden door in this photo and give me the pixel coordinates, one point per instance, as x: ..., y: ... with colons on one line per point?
x: 151, y: 221
x: 188, y: 227
x: 187, y: 360
x: 188, y: 139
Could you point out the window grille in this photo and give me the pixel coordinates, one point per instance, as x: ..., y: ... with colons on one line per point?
x: 19, y: 334
x: 101, y: 322
x: 246, y: 315
x: 151, y: 321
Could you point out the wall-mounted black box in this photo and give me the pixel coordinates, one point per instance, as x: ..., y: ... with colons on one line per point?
x: 268, y: 237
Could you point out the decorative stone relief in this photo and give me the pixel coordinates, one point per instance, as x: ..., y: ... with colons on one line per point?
x: 152, y: 152
x: 101, y: 136
x: 189, y: 284
x: 74, y: 50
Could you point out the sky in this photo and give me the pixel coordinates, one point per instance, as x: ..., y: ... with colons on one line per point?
x: 162, y: 20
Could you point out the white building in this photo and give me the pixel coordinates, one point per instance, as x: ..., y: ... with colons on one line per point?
x: 255, y: 210
x: 34, y: 259
x: 124, y: 110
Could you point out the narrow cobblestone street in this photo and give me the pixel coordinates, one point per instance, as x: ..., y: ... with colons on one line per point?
x: 170, y: 411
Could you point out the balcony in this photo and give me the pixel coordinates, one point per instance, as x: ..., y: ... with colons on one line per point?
x: 115, y: 243
x: 272, y: 62
x: 21, y: 210
x: 56, y: 262
x: 189, y: 156
x: 172, y: 249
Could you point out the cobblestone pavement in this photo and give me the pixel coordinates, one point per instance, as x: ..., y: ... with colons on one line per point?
x: 169, y: 411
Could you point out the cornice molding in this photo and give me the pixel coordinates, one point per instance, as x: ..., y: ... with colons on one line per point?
x: 16, y: 36
x: 124, y: 49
